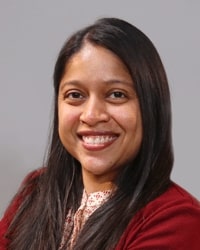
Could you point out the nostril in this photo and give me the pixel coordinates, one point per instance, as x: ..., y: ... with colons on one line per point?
x: 94, y: 117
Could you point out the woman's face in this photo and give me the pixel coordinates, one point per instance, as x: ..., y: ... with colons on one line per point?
x: 99, y: 115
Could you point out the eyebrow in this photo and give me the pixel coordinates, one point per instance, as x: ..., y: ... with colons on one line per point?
x: 111, y: 81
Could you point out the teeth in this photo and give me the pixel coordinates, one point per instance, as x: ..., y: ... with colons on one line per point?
x: 97, y: 139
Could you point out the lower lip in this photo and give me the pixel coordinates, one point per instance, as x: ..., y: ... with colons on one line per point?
x: 96, y: 147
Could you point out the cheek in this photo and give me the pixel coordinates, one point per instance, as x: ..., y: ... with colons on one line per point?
x: 133, y: 125
x: 129, y: 118
x: 67, y: 118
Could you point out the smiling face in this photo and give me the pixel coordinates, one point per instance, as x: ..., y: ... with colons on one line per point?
x: 99, y: 115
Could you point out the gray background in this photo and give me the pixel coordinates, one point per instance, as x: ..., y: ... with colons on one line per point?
x: 31, y: 34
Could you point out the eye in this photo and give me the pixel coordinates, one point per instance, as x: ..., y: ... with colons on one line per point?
x: 117, y: 94
x: 73, y: 95
x: 117, y: 97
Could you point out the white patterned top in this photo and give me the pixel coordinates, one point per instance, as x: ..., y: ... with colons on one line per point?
x: 75, y: 222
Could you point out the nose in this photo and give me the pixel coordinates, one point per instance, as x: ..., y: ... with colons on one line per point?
x: 94, y: 111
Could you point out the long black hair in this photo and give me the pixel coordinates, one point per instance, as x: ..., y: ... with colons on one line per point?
x: 39, y: 221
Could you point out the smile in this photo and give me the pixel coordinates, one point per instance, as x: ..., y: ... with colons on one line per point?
x: 98, y: 140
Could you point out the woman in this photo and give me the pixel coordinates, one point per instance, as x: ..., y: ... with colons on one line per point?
x: 106, y: 184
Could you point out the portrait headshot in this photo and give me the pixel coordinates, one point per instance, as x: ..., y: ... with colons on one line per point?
x: 100, y: 125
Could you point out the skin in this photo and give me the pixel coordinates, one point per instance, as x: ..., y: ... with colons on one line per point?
x: 99, y: 115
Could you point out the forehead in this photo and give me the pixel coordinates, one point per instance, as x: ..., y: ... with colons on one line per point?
x: 94, y: 59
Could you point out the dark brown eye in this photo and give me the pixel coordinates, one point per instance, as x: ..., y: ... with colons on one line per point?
x: 74, y: 95
x: 117, y: 94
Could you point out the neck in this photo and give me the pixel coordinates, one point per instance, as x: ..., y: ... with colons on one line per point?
x: 93, y: 183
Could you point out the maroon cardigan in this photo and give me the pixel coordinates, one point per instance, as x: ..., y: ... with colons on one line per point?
x: 169, y: 222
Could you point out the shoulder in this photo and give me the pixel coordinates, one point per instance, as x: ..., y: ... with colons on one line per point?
x: 33, y: 175
x: 27, y: 187
x: 176, y: 199
x: 171, y: 222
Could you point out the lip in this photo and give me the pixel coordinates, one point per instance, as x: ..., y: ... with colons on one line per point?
x: 97, y: 140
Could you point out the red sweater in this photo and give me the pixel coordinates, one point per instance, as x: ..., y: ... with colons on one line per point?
x: 170, y: 222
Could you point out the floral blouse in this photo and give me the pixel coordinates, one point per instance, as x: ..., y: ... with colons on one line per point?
x: 75, y: 222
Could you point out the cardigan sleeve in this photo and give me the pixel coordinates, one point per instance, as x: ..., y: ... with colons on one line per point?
x: 10, y: 212
x: 164, y: 225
